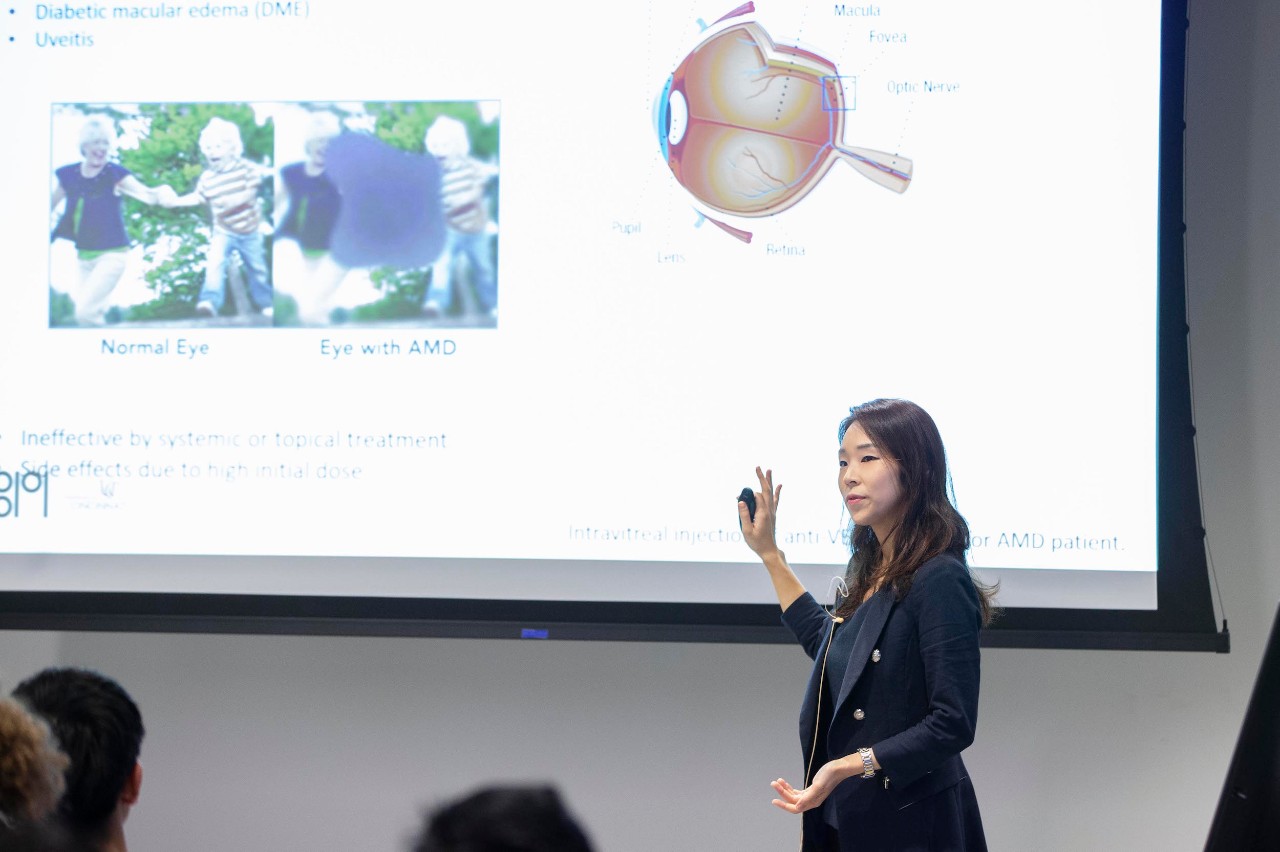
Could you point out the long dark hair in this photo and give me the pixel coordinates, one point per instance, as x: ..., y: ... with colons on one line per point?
x: 930, y: 526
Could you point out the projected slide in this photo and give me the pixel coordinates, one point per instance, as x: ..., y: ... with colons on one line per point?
x: 480, y: 300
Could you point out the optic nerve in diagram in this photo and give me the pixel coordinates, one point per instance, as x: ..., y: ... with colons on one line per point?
x: 750, y: 127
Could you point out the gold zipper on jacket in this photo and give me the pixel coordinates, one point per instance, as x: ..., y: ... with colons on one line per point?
x: 817, y: 715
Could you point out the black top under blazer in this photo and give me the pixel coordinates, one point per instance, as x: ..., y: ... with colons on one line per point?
x: 910, y: 692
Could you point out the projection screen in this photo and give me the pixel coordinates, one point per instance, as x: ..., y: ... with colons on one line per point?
x: 326, y: 316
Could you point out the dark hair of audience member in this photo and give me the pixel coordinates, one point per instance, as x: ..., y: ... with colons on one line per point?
x: 504, y: 819
x: 100, y: 730
x: 38, y: 837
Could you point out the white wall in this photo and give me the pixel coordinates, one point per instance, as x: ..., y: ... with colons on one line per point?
x: 333, y: 743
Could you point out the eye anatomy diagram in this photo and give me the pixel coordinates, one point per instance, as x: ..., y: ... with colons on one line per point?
x: 750, y: 127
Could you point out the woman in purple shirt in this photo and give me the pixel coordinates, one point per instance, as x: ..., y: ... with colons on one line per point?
x: 94, y: 218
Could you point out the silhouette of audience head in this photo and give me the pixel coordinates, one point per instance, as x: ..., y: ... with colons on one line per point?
x: 503, y: 819
x: 31, y: 782
x: 31, y: 766
x: 100, y: 729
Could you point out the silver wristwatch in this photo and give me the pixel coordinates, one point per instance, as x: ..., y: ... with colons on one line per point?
x: 868, y: 768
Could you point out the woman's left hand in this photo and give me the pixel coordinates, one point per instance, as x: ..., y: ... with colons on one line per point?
x: 796, y: 801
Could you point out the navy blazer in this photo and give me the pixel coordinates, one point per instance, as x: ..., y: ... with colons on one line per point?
x: 910, y: 692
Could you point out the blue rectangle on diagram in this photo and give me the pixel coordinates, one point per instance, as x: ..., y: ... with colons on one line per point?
x: 839, y: 94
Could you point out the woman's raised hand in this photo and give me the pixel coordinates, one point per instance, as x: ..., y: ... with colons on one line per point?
x: 760, y: 534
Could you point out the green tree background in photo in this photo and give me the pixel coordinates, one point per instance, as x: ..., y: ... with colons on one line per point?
x: 175, y: 241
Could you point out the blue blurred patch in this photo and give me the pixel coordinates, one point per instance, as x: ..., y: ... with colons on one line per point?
x: 391, y: 213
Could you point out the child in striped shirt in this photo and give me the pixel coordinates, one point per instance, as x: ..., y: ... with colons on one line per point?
x: 230, y: 187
